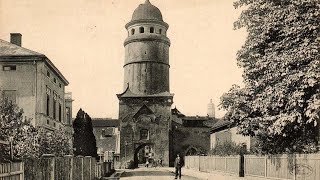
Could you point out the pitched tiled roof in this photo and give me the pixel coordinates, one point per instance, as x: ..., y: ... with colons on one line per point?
x: 9, y: 49
x: 11, y: 52
x: 196, y: 118
x: 105, y: 122
x: 221, y: 124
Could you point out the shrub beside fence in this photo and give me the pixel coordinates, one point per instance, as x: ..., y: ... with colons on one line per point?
x: 228, y: 164
x: 12, y: 171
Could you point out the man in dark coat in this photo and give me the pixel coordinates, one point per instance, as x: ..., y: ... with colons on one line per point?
x: 178, y: 163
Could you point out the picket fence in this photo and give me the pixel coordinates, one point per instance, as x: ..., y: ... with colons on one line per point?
x: 11, y: 171
x: 296, y: 166
x: 284, y: 167
x: 56, y: 168
x: 228, y: 164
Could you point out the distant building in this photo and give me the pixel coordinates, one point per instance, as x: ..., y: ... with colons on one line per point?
x: 224, y: 131
x: 106, y: 132
x: 211, y: 109
x: 32, y: 81
x: 190, y: 134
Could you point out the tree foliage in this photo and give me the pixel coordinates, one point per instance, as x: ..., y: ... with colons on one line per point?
x: 28, y: 141
x: 280, y: 101
x: 84, y: 141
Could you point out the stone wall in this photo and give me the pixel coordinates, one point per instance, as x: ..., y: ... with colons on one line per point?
x: 137, y: 114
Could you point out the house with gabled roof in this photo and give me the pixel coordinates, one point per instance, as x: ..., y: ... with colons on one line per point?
x: 35, y: 84
x: 107, y: 134
x: 225, y: 131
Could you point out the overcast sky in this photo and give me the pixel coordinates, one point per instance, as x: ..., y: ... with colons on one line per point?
x: 84, y: 39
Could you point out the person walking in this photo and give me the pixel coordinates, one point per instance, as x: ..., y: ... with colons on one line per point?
x: 178, y: 163
x: 147, y: 163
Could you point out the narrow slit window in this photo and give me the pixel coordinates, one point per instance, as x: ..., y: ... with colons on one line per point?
x: 141, y: 29
x: 160, y: 31
x: 132, y: 31
x: 152, y: 30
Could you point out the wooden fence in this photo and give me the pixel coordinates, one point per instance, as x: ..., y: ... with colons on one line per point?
x: 296, y: 167
x: 229, y: 164
x: 49, y: 167
x: 12, y: 171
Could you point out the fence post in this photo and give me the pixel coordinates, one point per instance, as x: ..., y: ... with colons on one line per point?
x: 225, y: 164
x: 294, y: 167
x: 22, y: 169
x: 48, y: 168
x: 87, y: 164
x: 199, y: 163
x: 69, y: 167
x: 265, y: 166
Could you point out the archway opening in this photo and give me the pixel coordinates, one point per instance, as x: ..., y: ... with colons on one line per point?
x: 143, y: 153
x: 191, y: 151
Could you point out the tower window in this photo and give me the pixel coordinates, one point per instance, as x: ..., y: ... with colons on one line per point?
x: 152, y: 30
x: 160, y: 31
x: 144, y: 134
x: 132, y: 31
x: 141, y: 29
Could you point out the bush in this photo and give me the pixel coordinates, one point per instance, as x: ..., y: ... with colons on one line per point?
x: 227, y: 149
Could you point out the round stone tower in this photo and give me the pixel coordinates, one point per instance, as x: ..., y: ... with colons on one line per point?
x: 146, y: 67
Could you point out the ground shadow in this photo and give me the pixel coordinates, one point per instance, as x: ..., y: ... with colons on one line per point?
x: 146, y: 173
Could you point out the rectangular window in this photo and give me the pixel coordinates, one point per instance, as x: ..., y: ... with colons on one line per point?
x: 48, y: 105
x: 9, y: 68
x: 54, y: 80
x: 48, y: 101
x: 10, y: 95
x: 54, y: 105
x: 144, y: 134
x: 48, y: 73
x: 68, y: 118
x: 60, y: 112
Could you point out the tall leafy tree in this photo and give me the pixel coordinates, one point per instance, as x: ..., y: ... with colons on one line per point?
x: 280, y: 101
x: 84, y: 141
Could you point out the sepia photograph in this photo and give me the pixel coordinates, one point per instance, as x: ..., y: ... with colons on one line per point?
x: 159, y: 89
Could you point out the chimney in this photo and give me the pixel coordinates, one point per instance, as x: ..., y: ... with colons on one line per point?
x: 15, y: 38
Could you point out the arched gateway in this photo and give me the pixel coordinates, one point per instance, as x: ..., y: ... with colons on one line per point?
x: 145, y: 104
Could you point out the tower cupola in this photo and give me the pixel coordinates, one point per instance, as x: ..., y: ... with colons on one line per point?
x: 146, y: 11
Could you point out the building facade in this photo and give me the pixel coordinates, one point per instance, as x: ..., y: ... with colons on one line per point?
x: 224, y: 131
x: 31, y: 80
x: 145, y: 104
x: 107, y: 134
x: 190, y: 134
